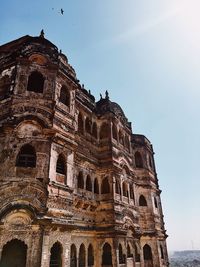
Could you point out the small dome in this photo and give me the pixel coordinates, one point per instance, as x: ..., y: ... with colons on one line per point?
x: 105, y: 105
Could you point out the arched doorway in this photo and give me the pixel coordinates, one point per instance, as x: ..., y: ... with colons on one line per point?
x: 14, y: 254
x: 82, y: 256
x: 90, y: 255
x: 56, y: 255
x: 148, y: 261
x: 107, y: 255
x: 73, y: 257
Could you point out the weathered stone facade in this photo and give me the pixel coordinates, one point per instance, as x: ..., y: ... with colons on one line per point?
x: 78, y: 188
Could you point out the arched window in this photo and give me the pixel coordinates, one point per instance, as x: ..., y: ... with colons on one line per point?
x: 35, y: 82
x: 88, y: 125
x: 56, y: 255
x: 107, y: 255
x: 105, y: 186
x: 161, y: 252
x: 90, y: 255
x: 142, y: 201
x: 64, y: 96
x: 5, y: 83
x: 80, y: 180
x: 82, y: 261
x: 129, y: 254
x: 114, y: 131
x: 125, y: 189
x: 131, y: 191
x: 96, y: 186
x: 80, y: 124
x: 73, y: 256
x: 94, y: 130
x: 14, y: 253
x: 117, y: 187
x: 137, y: 254
x: 147, y: 252
x: 26, y: 157
x: 104, y: 131
x: 155, y: 203
x: 121, y: 255
x: 138, y: 160
x: 88, y: 183
x: 60, y: 165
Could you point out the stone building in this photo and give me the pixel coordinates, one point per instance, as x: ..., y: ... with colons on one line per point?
x: 77, y: 187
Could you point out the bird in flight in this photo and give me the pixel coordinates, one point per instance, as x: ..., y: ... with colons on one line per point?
x: 62, y: 11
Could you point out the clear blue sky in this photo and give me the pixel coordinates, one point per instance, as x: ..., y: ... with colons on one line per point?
x: 146, y: 53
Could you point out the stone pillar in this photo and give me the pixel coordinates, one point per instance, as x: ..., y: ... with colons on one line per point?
x: 98, y: 254
x: 45, y: 251
x: 128, y: 193
x: 35, y: 248
x: 115, y: 252
x: 66, y: 257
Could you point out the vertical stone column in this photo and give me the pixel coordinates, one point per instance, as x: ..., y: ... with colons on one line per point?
x: 97, y: 254
x: 45, y: 250
x: 66, y: 256
x: 115, y: 252
x: 128, y: 193
x: 121, y: 190
x: 35, y: 248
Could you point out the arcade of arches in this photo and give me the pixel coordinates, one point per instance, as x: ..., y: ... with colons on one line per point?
x: 15, y: 253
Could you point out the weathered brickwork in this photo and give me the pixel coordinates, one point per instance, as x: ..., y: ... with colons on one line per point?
x: 77, y: 187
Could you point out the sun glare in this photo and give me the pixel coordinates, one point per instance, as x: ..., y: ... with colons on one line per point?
x: 189, y: 19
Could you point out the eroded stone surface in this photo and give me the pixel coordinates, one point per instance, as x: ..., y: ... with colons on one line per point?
x: 75, y: 181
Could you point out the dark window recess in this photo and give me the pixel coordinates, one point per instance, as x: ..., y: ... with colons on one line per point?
x: 60, y: 166
x: 88, y: 124
x: 56, y: 255
x: 65, y: 96
x: 155, y: 203
x: 82, y: 256
x: 114, y: 131
x: 125, y: 190
x: 107, y: 255
x: 147, y: 252
x: 80, y: 180
x: 26, y: 157
x: 96, y: 186
x: 121, y: 255
x: 138, y: 160
x: 90, y: 255
x: 88, y: 184
x: 80, y: 124
x: 142, y: 201
x: 105, y: 186
x: 104, y: 131
x: 73, y: 256
x: 94, y: 130
x: 14, y: 253
x: 117, y: 187
x: 131, y: 192
x: 5, y: 84
x: 161, y: 252
x: 137, y: 254
x: 35, y: 82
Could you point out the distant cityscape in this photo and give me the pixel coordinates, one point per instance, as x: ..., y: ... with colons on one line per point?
x: 186, y: 258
